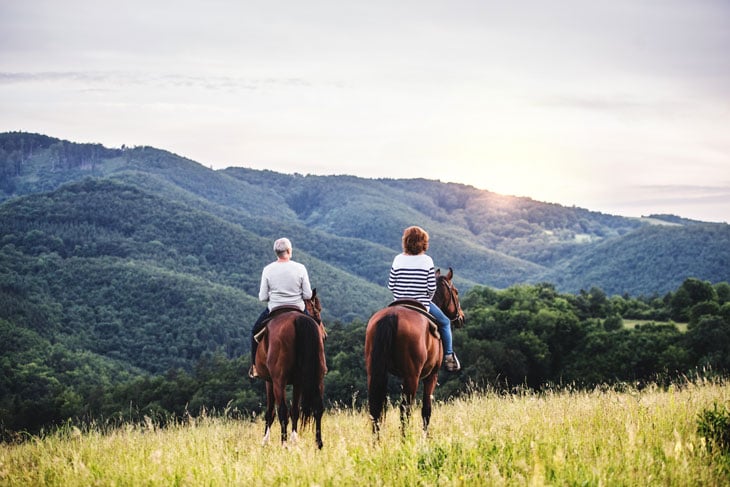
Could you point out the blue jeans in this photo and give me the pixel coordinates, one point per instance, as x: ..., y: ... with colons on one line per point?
x: 444, y: 329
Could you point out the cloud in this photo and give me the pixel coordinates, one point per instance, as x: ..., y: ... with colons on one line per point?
x: 50, y: 76
x: 689, y: 194
x: 621, y: 104
x: 700, y: 202
x: 213, y: 83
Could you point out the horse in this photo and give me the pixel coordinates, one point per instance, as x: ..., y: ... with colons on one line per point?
x: 291, y: 351
x: 398, y: 341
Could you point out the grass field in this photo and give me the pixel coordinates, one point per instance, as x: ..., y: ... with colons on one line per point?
x: 633, y: 323
x: 599, y: 438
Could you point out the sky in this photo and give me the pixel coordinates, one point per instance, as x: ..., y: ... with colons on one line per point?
x: 621, y: 107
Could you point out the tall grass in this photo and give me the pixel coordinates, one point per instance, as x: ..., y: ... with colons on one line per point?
x: 601, y: 437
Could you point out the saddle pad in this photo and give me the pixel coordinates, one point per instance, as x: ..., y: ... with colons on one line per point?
x: 432, y: 323
x: 283, y: 309
x: 273, y: 314
x: 405, y: 302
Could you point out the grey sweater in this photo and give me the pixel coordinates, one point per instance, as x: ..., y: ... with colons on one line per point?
x: 285, y: 284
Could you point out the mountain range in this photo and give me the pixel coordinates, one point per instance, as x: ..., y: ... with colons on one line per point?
x: 148, y: 210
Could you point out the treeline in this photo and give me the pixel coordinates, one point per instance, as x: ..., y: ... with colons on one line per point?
x: 18, y: 153
x: 524, y: 336
x: 533, y: 336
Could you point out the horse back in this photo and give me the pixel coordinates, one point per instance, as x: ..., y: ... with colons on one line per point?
x: 415, y: 351
x: 275, y: 353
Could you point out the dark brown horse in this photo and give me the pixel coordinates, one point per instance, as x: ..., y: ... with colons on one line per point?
x: 292, y: 352
x: 398, y: 341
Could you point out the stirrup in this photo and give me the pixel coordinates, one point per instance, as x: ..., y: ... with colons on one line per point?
x: 451, y: 363
x: 252, y: 373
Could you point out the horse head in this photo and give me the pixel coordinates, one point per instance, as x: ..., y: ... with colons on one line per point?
x: 447, y: 298
x: 314, y: 309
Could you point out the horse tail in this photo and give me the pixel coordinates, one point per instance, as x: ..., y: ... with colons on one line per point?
x: 310, y: 367
x: 385, y: 330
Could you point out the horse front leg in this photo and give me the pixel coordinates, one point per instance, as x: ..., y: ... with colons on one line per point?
x: 410, y: 385
x: 269, y: 416
x: 429, y: 385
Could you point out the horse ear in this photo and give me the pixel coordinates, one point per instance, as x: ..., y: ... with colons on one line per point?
x: 314, y: 292
x: 451, y: 274
x: 438, y: 273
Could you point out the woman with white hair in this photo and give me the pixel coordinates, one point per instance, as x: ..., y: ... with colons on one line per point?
x: 283, y: 283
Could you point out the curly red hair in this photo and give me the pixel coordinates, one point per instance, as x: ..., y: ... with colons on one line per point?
x: 415, y: 240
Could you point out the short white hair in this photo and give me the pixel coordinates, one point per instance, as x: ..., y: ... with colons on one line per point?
x: 282, y: 245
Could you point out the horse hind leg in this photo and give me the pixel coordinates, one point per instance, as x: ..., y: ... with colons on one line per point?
x: 429, y: 385
x: 318, y: 428
x: 410, y: 386
x: 269, y: 416
x: 294, y: 414
x: 376, y: 418
x: 316, y: 417
x: 376, y: 427
x: 283, y: 420
x: 294, y: 411
x: 281, y: 409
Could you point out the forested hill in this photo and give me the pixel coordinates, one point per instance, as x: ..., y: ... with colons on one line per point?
x: 348, y: 228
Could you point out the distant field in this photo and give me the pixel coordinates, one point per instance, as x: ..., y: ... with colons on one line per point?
x: 632, y: 323
x: 601, y: 437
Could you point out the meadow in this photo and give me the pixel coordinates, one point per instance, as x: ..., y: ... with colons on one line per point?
x: 606, y: 436
x: 631, y: 324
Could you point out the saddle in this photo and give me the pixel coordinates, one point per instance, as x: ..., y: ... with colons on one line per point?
x: 273, y: 314
x: 416, y: 305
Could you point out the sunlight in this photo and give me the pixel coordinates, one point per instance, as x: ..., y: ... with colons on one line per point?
x: 511, y: 165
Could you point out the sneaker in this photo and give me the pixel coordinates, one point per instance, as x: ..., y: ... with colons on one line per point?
x: 252, y: 372
x: 452, y: 363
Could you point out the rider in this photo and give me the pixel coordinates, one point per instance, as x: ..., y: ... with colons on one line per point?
x: 283, y: 283
x: 412, y: 276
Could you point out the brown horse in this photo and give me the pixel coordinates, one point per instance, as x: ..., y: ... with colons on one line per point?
x: 292, y: 352
x: 398, y: 341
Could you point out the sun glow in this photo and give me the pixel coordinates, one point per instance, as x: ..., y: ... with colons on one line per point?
x: 517, y: 166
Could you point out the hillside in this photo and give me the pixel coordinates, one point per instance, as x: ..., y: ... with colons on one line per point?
x: 487, y: 238
x: 648, y: 261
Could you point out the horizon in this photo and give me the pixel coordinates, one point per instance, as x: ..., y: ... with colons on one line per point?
x: 210, y: 167
x: 620, y: 108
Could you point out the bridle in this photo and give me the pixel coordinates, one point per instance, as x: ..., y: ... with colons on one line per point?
x: 452, y: 299
x: 311, y: 306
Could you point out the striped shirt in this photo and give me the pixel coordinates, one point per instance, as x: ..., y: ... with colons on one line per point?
x: 413, y: 277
